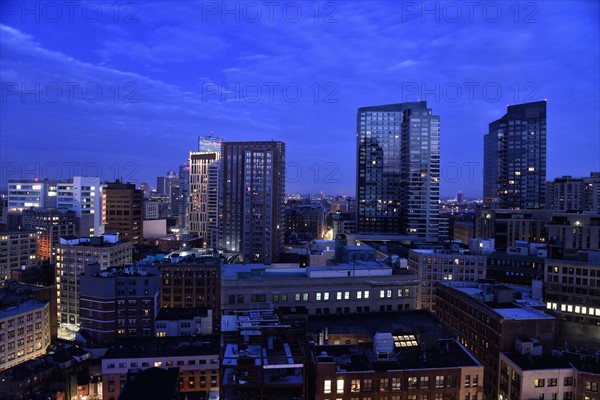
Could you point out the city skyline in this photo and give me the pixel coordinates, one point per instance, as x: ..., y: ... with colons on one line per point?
x: 137, y: 113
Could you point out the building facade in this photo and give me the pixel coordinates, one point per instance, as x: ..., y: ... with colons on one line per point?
x: 118, y: 302
x: 514, y: 158
x: 253, y: 176
x: 72, y: 255
x: 17, y: 249
x: 398, y: 169
x: 122, y: 211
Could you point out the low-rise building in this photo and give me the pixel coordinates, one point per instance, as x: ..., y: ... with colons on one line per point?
x: 24, y: 331
x: 404, y: 355
x: 197, y: 360
x: 184, y: 322
x: 487, y: 320
x: 358, y: 287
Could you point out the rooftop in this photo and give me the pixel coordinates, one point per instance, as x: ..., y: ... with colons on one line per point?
x: 416, y: 339
x: 173, y: 314
x: 164, y: 347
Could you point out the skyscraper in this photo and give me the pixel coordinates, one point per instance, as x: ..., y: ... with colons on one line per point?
x: 398, y: 168
x: 514, y: 158
x: 209, y: 151
x: 252, y: 204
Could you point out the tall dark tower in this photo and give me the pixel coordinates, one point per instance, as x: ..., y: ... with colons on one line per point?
x: 398, y: 170
x: 514, y: 159
x: 252, y: 200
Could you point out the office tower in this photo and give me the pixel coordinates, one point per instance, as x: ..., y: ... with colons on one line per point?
x: 17, y: 249
x: 253, y: 199
x: 514, y: 159
x: 50, y: 225
x: 122, y: 211
x: 209, y: 151
x: 72, y: 255
x: 163, y: 182
x: 398, y: 166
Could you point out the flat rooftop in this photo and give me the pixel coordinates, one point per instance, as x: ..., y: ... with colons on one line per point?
x: 164, y: 347
x: 419, y: 342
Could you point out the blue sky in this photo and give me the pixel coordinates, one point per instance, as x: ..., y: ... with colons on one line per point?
x: 124, y: 89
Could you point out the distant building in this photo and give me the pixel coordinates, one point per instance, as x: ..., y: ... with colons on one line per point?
x: 253, y: 176
x: 118, y: 302
x: 514, y: 159
x: 208, y: 152
x: 574, y: 194
x: 197, y: 360
x: 50, y: 225
x: 72, y: 255
x: 17, y: 249
x: 397, y: 356
x: 23, y: 194
x: 122, y: 211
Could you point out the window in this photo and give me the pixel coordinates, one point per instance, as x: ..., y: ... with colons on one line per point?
x: 591, y: 386
x: 552, y: 381
x: 340, y: 386
x: 396, y: 384
x: 568, y: 381
x: 384, y: 384
x: 355, y: 386
x: 412, y: 382
x: 451, y: 381
x: 424, y: 382
x: 439, y: 381
x: 539, y: 383
x: 327, y: 386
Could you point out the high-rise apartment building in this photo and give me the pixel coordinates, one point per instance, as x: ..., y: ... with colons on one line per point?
x: 122, y: 211
x: 574, y: 194
x: 514, y: 159
x: 209, y: 151
x: 253, y: 176
x: 72, y: 255
x: 398, y: 170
